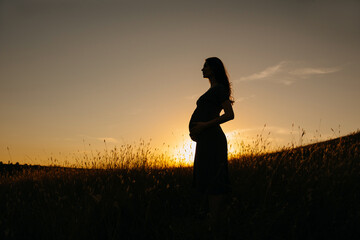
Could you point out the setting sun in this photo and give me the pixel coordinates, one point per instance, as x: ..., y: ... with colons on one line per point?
x: 184, y: 152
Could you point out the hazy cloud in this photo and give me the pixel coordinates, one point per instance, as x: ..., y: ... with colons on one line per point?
x: 261, y: 130
x: 275, y: 136
x: 265, y: 73
x: 314, y: 71
x: 287, y: 72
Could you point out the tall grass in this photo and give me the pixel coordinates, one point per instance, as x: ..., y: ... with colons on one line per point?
x: 140, y: 155
x: 307, y: 192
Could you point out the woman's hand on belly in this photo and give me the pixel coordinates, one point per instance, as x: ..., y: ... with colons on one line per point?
x: 197, y: 128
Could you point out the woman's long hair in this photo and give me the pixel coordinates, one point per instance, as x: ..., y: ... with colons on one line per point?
x: 221, y: 75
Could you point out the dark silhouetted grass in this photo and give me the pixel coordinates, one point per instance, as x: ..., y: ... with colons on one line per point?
x: 310, y: 192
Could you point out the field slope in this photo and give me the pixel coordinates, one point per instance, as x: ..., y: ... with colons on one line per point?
x: 310, y: 192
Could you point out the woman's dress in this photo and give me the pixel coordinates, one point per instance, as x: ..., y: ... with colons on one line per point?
x: 211, y: 162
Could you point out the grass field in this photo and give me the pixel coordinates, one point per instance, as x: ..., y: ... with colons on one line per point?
x: 309, y: 192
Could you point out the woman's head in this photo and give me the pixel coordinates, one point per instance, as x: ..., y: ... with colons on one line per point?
x: 214, y: 66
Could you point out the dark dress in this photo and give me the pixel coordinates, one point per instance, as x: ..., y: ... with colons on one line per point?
x: 210, y: 174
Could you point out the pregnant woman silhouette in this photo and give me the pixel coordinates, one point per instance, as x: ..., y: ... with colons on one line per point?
x: 211, y: 160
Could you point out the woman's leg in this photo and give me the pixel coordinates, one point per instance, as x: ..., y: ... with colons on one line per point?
x: 218, y: 214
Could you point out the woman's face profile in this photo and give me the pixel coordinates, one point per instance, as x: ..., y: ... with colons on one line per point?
x: 206, y: 71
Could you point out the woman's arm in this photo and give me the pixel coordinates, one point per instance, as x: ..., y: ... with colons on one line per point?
x: 227, y: 116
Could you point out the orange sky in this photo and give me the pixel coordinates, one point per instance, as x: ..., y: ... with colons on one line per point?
x: 74, y: 73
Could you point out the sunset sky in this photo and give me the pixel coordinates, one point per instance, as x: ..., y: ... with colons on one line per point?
x: 76, y: 72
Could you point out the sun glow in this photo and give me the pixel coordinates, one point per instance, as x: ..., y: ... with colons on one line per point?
x: 185, y: 152
x: 234, y: 145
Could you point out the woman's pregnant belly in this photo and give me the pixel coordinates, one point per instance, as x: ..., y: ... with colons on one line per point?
x: 203, y: 116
